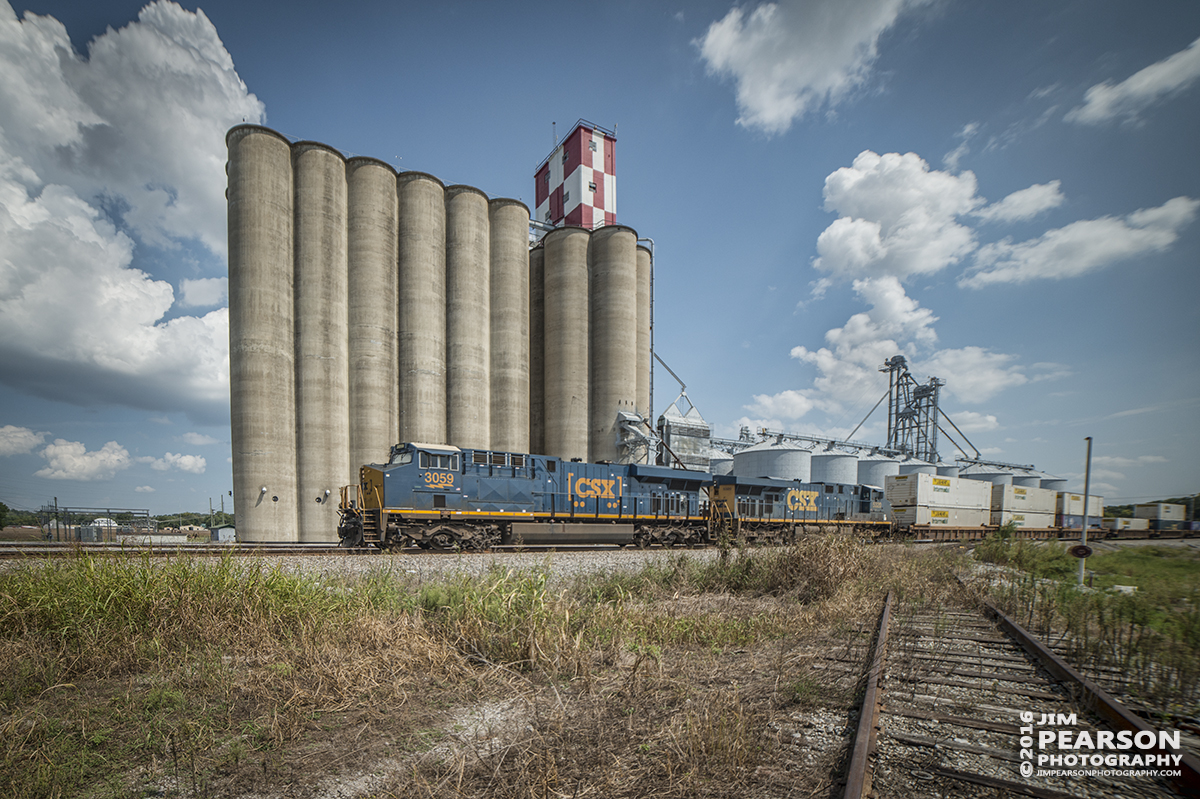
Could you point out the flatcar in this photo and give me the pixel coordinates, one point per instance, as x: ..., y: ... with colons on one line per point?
x: 436, y: 496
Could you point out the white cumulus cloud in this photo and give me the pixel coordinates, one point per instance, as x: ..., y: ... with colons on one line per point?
x: 19, y: 440
x: 198, y: 439
x: 896, y: 217
x: 791, y: 58
x: 1024, y: 204
x: 144, y: 489
x: 132, y: 136
x: 972, y: 422
x: 1108, y: 101
x: 204, y: 292
x: 1082, y: 246
x: 70, y: 460
x: 193, y: 464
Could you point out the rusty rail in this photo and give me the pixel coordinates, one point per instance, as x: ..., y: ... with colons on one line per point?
x: 1096, y: 698
x: 858, y: 778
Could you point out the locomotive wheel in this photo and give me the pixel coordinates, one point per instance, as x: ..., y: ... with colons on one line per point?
x: 442, y: 540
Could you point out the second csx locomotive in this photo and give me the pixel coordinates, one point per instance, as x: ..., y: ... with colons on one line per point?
x: 442, y: 497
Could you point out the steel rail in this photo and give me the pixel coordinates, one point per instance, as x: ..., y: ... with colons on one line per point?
x: 1097, y: 699
x: 858, y: 777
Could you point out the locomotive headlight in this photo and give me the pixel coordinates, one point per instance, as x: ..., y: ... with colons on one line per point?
x: 263, y: 490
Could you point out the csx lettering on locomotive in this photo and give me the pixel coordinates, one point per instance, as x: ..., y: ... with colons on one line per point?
x: 802, y: 500
x: 589, y: 487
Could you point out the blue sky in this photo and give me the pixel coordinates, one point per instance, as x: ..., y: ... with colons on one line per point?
x: 1005, y: 193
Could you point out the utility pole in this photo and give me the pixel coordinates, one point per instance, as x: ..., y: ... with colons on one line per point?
x: 1087, y: 488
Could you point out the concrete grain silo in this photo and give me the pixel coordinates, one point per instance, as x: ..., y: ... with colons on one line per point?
x: 322, y: 359
x: 371, y: 304
x: 261, y: 334
x: 421, y: 328
x: 612, y: 326
x: 510, y: 393
x: 644, y: 267
x: 537, y: 337
x: 468, y: 315
x: 565, y: 359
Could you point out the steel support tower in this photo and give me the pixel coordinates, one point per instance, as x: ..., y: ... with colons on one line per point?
x: 912, y: 412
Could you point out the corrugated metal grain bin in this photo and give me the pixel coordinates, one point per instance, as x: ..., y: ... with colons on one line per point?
x: 1027, y: 479
x: 784, y: 460
x: 1004, y: 478
x: 947, y: 470
x: 1024, y: 520
x: 1126, y: 524
x: 874, y: 469
x: 721, y: 465
x: 1054, y: 483
x: 1024, y: 500
x: 917, y: 467
x: 1160, y: 510
x: 933, y: 491
x: 1071, y: 504
x: 835, y: 467
x: 941, y: 517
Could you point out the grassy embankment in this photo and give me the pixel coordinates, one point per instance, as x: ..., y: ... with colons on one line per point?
x: 1151, y: 637
x: 134, y: 677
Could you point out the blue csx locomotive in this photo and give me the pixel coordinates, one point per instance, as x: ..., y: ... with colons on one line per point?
x: 442, y: 497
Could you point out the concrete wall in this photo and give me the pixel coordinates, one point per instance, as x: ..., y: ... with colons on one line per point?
x: 371, y: 301
x: 537, y: 337
x: 613, y: 333
x: 422, y: 308
x: 565, y: 359
x: 468, y: 314
x: 510, y: 359
x: 261, y: 334
x: 322, y: 357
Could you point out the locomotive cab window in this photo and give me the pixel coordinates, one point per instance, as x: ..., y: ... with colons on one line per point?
x: 401, y: 458
x: 432, y: 460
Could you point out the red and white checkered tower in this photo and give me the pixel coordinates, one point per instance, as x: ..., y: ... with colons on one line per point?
x: 577, y: 183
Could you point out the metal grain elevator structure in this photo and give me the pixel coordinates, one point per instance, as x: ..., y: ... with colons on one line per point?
x: 369, y: 307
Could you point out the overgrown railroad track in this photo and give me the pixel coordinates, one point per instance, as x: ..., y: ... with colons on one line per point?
x: 943, y: 715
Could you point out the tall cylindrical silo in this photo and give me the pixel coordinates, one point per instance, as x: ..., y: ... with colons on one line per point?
x: 873, y: 469
x: 537, y: 330
x: 835, y: 467
x: 643, y: 333
x: 612, y: 331
x: 783, y: 460
x: 421, y: 291
x: 261, y: 334
x: 508, y: 221
x: 322, y: 359
x: 565, y: 359
x: 468, y: 332
x: 371, y: 286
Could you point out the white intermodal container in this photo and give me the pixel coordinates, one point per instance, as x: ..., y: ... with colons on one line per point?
x: 931, y: 490
x: 1126, y: 524
x: 1071, y: 504
x: 1022, y: 519
x: 940, y: 517
x: 1023, y: 499
x: 1160, y: 510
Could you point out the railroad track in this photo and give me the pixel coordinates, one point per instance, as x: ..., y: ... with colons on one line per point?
x: 51, y: 549
x: 965, y: 703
